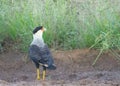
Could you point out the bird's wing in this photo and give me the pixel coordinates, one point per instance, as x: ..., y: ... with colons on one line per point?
x: 46, y: 56
x: 34, y: 52
x: 42, y: 55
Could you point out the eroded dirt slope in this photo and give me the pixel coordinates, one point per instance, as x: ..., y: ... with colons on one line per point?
x: 73, y: 69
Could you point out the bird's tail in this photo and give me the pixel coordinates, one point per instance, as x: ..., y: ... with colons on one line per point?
x: 51, y: 67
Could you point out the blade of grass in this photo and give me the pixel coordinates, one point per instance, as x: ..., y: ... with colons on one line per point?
x: 101, y: 51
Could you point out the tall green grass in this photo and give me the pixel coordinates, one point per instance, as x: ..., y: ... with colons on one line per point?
x: 103, y: 21
x: 70, y: 24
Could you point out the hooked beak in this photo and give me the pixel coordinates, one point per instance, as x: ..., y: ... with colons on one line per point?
x: 45, y: 29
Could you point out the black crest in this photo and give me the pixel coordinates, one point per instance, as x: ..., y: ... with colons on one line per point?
x: 37, y: 29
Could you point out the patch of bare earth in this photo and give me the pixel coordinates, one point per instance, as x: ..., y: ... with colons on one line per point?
x: 74, y: 68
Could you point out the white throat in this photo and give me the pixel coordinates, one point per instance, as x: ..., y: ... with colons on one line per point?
x: 37, y: 39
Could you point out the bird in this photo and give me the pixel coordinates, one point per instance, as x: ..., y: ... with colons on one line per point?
x: 39, y: 52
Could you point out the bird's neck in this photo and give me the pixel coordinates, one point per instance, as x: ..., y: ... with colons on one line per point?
x: 38, y: 39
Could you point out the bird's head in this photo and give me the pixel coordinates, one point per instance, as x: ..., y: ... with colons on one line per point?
x: 38, y: 31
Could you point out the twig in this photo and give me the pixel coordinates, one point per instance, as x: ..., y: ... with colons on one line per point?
x: 101, y: 51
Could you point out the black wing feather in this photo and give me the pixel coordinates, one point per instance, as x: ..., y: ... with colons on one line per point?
x: 34, y: 52
x: 42, y: 54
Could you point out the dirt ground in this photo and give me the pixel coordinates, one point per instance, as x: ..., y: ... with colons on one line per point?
x: 73, y: 69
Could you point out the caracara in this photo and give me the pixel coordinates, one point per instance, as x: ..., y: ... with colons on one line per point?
x: 39, y: 52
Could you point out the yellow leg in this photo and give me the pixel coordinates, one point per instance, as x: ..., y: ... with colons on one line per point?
x: 38, y: 74
x: 44, y: 73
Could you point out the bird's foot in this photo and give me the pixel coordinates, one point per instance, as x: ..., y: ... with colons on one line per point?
x: 38, y: 78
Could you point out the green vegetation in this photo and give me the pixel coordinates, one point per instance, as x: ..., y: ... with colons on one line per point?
x: 70, y: 24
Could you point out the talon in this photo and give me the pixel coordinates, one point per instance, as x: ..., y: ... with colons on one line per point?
x: 38, y: 78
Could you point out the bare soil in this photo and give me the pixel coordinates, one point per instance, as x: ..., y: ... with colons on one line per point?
x: 74, y: 68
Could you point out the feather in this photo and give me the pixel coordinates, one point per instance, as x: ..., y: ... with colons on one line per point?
x: 42, y: 55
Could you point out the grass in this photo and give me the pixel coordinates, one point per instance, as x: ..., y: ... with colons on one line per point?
x: 91, y: 23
